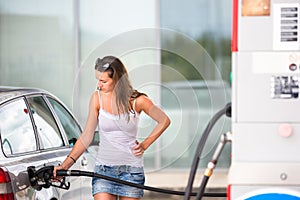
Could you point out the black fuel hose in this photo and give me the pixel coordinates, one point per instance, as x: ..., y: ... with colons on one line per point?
x: 226, y: 137
x: 204, y: 182
x: 188, y: 191
x: 154, y: 189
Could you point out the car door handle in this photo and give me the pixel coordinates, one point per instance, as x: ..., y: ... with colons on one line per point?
x: 84, y: 161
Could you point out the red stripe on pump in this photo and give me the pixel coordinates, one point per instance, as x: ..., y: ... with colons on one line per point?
x: 234, y: 36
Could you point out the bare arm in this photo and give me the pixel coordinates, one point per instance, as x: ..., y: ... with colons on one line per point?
x: 144, y: 104
x: 85, y: 138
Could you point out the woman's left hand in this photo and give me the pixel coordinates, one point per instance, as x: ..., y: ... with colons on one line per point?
x: 138, y: 150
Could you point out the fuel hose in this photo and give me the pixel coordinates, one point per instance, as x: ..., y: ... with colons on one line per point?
x: 188, y: 191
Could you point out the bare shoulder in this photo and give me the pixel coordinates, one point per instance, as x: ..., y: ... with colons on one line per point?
x: 143, y: 99
x: 143, y: 103
x: 94, y: 101
x: 95, y: 95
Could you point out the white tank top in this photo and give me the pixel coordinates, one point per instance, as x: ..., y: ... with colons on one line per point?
x: 117, y: 138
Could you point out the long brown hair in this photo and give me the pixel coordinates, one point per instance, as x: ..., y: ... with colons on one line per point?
x: 123, y: 90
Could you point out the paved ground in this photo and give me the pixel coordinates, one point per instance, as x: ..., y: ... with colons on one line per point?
x: 172, y: 197
x: 177, y: 180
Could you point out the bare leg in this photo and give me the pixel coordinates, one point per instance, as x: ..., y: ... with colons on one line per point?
x: 129, y: 198
x: 104, y: 196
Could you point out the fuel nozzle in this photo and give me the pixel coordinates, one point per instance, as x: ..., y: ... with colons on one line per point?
x: 43, y: 178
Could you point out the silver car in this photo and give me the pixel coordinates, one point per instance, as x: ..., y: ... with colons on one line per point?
x: 36, y: 129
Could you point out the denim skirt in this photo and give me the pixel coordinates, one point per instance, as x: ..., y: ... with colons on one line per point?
x: 122, y: 172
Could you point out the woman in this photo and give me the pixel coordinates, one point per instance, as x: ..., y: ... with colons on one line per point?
x: 115, y: 107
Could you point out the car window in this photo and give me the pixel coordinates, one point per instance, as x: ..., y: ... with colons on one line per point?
x: 72, y: 129
x: 46, y: 126
x: 17, y: 133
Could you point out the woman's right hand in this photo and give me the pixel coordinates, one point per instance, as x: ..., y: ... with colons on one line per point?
x: 59, y: 167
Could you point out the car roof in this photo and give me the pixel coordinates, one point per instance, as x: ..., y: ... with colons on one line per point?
x: 8, y: 92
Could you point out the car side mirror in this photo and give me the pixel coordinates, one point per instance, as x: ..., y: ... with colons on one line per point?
x: 72, y: 141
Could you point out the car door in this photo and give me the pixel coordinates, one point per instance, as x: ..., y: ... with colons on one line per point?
x: 21, y: 149
x: 82, y: 185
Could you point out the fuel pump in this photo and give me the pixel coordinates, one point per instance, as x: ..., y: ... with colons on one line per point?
x: 265, y: 100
